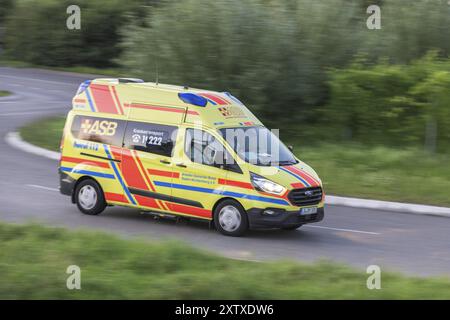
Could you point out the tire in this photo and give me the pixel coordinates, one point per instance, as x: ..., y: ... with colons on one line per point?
x: 230, y: 218
x: 292, y: 228
x: 89, y: 198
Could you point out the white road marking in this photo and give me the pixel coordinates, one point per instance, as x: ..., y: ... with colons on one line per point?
x: 344, y: 230
x: 42, y: 187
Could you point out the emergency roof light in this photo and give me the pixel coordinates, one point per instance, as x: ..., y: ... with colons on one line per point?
x: 193, y: 99
x: 83, y: 86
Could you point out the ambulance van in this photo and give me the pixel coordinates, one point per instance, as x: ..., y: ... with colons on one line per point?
x: 179, y: 151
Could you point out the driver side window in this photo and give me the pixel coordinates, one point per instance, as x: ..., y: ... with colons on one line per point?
x: 202, y: 147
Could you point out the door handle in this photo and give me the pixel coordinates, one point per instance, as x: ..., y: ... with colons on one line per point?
x: 164, y: 161
x: 182, y: 165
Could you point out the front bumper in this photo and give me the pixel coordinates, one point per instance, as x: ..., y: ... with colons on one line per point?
x: 281, y: 218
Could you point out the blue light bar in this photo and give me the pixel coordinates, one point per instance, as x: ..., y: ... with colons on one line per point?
x: 194, y: 99
x: 83, y: 86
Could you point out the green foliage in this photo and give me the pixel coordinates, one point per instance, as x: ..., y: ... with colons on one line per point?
x: 5, y: 7
x: 275, y: 55
x: 291, y: 62
x: 379, y: 172
x: 34, y: 259
x: 270, y: 54
x: 390, y: 104
x: 409, y: 29
x: 36, y: 32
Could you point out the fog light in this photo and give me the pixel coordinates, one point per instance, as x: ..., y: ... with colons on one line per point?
x: 269, y: 212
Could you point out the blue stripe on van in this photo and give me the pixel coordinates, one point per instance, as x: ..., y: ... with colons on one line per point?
x: 296, y: 176
x: 91, y: 104
x: 224, y: 193
x: 89, y: 173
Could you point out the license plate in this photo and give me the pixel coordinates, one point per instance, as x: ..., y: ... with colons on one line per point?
x: 305, y: 211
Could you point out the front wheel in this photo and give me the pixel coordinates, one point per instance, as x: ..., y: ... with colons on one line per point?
x: 230, y: 218
x: 89, y: 198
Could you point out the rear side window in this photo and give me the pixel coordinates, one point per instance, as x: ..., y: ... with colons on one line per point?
x: 152, y: 138
x: 101, y: 130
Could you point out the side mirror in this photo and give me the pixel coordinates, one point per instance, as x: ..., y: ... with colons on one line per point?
x: 291, y: 148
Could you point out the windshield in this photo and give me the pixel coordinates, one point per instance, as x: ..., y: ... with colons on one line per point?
x: 258, y: 145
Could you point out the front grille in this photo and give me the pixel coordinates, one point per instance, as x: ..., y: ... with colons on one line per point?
x: 299, y: 198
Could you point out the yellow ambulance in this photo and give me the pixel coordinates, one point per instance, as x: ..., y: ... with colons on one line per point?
x: 180, y: 151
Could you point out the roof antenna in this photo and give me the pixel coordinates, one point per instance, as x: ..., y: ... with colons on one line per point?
x: 157, y: 57
x: 157, y: 72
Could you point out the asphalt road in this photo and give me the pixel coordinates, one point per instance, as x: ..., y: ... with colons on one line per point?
x: 409, y: 243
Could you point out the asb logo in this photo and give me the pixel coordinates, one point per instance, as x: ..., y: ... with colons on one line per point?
x: 99, y: 127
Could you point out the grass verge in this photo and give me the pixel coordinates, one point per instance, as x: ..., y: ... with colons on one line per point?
x: 45, y: 133
x: 34, y: 260
x: 349, y: 170
x: 4, y: 93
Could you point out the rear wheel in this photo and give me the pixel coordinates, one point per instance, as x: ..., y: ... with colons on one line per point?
x: 230, y: 218
x: 89, y: 197
x: 291, y: 228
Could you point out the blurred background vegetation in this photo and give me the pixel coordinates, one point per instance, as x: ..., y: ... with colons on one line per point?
x: 310, y: 67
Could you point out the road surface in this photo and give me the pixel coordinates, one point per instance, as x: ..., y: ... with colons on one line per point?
x: 413, y: 244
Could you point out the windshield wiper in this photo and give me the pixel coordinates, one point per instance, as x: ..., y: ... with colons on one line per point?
x: 287, y: 163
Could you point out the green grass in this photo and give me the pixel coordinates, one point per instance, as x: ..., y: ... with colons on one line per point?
x: 45, y: 133
x: 408, y: 175
x: 34, y: 260
x: 348, y: 170
x: 4, y: 93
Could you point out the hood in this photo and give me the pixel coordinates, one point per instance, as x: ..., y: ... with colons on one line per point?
x: 295, y: 176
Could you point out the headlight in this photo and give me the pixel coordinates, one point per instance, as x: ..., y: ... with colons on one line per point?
x: 263, y: 184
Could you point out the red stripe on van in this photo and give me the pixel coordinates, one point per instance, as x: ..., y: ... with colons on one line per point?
x: 234, y: 183
x: 103, y: 98
x: 162, y: 173
x: 131, y: 172
x: 215, y: 98
x: 86, y: 161
x: 119, y: 105
x: 146, y: 202
x: 109, y: 196
x: 298, y: 185
x: 199, y: 212
x: 143, y: 170
x: 313, y: 182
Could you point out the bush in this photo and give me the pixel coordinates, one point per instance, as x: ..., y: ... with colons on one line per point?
x: 275, y: 56
x: 272, y: 55
x: 391, y: 104
x: 36, y: 32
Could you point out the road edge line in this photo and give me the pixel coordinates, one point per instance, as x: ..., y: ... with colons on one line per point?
x: 15, y: 140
